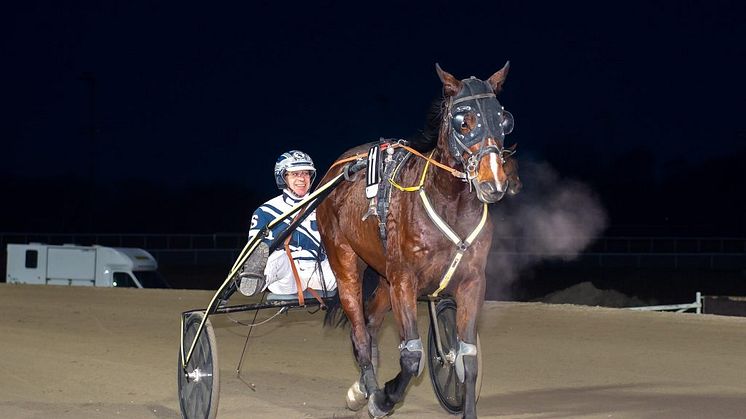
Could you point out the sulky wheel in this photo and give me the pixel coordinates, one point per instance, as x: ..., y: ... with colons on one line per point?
x: 199, y: 383
x: 448, y: 389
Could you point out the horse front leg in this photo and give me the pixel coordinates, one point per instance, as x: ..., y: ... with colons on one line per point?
x: 376, y: 310
x: 469, y: 299
x: 403, y: 300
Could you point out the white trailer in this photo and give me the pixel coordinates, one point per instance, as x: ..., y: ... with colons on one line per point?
x: 99, y: 266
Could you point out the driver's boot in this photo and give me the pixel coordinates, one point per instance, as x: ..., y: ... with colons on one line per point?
x: 251, y: 279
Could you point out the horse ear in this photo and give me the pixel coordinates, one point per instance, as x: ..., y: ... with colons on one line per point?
x: 451, y: 86
x: 497, y: 79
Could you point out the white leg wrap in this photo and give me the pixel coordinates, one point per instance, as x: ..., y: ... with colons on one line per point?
x: 356, y: 397
x: 464, y: 349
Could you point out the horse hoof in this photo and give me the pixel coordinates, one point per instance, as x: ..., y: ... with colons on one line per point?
x: 355, y: 397
x: 373, y: 410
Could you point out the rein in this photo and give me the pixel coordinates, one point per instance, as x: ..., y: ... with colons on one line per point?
x: 451, y: 170
x: 296, y: 275
x: 422, y: 178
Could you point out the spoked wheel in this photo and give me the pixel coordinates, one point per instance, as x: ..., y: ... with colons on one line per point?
x: 448, y: 389
x: 199, y: 383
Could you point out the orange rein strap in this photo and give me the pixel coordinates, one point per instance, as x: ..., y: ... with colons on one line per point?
x: 298, y: 284
x: 438, y: 164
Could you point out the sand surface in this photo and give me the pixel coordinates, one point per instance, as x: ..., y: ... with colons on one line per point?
x: 73, y: 352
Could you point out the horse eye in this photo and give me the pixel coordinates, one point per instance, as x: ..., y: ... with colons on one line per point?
x: 507, y: 122
x: 458, y: 121
x: 464, y: 122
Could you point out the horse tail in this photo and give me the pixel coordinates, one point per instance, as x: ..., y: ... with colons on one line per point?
x: 335, y: 316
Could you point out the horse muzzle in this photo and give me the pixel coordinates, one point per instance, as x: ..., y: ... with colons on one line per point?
x: 490, y: 192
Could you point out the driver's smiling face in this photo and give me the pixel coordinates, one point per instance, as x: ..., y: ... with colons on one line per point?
x: 299, y: 182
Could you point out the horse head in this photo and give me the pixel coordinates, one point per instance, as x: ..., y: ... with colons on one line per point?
x: 474, y: 127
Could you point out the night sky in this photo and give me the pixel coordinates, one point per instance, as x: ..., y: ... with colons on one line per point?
x: 642, y: 101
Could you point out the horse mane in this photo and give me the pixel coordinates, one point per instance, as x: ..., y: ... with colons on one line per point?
x: 427, y: 138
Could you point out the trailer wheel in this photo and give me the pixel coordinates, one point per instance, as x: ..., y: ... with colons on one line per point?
x: 199, y: 382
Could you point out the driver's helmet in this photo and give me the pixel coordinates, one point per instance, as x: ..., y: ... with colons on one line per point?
x: 292, y: 161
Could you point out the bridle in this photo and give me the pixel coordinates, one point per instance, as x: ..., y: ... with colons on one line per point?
x: 477, y: 99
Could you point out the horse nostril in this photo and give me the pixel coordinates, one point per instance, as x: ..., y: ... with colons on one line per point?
x: 489, y: 192
x: 488, y: 188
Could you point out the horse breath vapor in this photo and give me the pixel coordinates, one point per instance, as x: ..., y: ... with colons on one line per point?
x: 552, y: 218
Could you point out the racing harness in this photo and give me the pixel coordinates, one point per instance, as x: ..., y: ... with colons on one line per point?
x: 379, y: 195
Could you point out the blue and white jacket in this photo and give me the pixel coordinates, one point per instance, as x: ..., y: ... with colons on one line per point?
x: 305, y: 241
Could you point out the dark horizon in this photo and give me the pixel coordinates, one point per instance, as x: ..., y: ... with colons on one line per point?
x: 638, y: 204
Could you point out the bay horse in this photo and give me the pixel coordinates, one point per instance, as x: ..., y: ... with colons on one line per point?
x: 444, y: 224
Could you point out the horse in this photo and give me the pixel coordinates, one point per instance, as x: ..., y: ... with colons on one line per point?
x: 424, y: 234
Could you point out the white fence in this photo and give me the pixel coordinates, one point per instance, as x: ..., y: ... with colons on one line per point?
x: 679, y: 308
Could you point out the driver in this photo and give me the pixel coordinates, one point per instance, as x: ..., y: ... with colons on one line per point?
x: 294, y: 174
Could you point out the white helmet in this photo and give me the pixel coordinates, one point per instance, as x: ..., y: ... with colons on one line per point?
x: 292, y: 161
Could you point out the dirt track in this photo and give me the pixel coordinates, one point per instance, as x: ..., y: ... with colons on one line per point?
x: 103, y: 353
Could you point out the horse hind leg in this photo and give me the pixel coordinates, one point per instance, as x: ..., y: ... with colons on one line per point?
x: 411, y: 359
x: 357, y: 395
x: 377, y: 308
x: 350, y: 289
